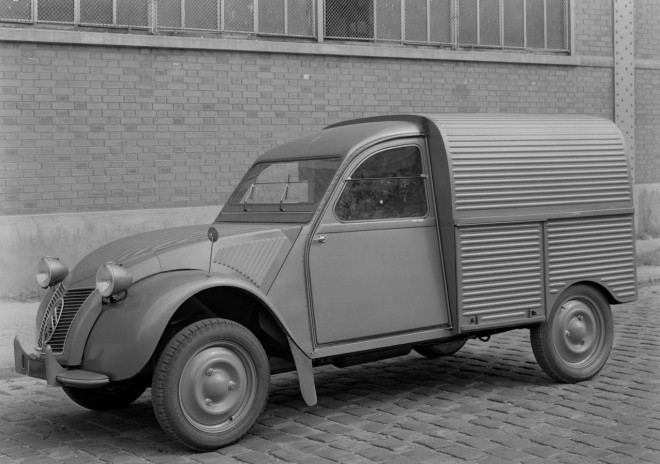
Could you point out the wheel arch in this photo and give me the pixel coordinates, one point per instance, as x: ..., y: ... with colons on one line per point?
x: 130, y: 332
x: 235, y: 304
x: 596, y: 285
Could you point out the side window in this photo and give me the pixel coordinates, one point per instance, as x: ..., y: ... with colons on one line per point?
x: 387, y: 185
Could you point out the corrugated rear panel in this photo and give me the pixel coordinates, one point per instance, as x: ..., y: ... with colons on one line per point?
x: 525, y: 161
x: 500, y: 274
x: 598, y: 249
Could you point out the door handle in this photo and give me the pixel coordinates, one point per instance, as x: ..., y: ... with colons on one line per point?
x: 320, y: 239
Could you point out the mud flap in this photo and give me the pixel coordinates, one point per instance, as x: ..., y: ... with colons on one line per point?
x: 305, y: 374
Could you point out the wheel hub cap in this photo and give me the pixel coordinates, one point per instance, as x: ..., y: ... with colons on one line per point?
x: 215, y: 388
x: 577, y: 332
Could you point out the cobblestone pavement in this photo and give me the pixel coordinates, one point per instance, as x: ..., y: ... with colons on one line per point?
x: 490, y: 403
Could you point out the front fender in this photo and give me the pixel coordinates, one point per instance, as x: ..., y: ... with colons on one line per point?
x: 127, y: 332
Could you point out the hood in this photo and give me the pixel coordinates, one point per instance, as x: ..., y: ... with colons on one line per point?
x: 177, y: 248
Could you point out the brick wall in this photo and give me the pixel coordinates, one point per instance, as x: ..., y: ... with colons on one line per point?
x: 647, y: 29
x: 593, y: 27
x: 647, y: 93
x: 647, y: 125
x: 97, y: 128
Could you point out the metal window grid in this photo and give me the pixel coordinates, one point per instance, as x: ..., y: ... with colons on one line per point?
x: 500, y: 24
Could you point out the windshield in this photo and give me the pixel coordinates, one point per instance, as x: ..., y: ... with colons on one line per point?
x: 292, y: 185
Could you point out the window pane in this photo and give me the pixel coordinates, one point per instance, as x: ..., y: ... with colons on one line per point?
x: 514, y: 26
x: 387, y: 185
x: 16, y: 10
x: 467, y: 12
x: 349, y: 18
x: 132, y: 13
x: 489, y: 22
x: 239, y: 15
x: 535, y: 24
x: 416, y: 21
x: 271, y: 17
x: 60, y: 11
x: 96, y: 12
x: 202, y: 14
x: 301, y: 18
x: 388, y: 19
x: 441, y: 21
x: 290, y: 182
x: 169, y: 13
x: 397, y: 162
x: 556, y: 25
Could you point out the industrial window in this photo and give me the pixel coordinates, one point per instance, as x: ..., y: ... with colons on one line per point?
x: 388, y: 185
x: 528, y: 24
x: 504, y: 24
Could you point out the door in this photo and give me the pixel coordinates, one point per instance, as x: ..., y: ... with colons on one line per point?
x: 375, y: 265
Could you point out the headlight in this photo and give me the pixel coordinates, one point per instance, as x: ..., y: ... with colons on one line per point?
x: 51, y: 271
x: 111, y: 279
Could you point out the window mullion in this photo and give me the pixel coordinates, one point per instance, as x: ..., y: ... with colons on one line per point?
x: 545, y: 24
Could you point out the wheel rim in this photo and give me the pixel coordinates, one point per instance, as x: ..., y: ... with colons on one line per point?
x: 578, y: 333
x: 217, y: 387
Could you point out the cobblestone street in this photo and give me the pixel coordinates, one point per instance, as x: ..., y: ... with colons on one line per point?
x: 490, y: 403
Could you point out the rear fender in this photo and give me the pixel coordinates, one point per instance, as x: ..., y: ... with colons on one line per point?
x: 127, y: 332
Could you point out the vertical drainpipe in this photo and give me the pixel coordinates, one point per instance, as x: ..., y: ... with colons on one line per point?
x: 624, y: 73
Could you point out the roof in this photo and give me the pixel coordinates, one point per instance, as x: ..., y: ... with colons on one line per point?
x: 342, y: 141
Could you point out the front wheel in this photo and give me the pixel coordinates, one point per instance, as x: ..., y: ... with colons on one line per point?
x: 575, y: 342
x: 210, y: 384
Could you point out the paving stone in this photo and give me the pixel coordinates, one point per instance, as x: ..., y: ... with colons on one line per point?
x: 490, y: 403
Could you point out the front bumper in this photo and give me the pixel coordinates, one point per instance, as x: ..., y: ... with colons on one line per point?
x: 46, y: 367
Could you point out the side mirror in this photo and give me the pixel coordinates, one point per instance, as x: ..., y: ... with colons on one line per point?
x: 212, y: 234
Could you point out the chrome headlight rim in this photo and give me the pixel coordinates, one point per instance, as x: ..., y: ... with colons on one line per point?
x: 50, y: 272
x: 112, y: 279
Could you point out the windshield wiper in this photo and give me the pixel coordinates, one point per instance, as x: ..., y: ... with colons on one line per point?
x: 248, y: 197
x: 285, y: 195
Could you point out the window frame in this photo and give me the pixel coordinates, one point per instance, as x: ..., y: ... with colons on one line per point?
x: 358, y: 161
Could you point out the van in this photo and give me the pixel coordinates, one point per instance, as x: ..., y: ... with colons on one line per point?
x: 362, y: 241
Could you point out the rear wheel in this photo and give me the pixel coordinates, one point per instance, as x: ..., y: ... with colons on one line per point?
x: 211, y: 384
x: 575, y: 342
x: 107, y: 397
x: 438, y: 350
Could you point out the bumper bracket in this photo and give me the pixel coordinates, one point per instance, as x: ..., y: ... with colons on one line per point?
x: 47, y: 368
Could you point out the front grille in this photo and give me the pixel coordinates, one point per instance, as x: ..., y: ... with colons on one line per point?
x: 59, y: 315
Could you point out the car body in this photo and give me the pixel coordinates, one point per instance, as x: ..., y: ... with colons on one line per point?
x: 359, y: 242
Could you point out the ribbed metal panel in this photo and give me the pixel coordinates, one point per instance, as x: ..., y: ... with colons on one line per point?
x: 252, y: 259
x: 525, y: 161
x: 61, y: 317
x: 597, y: 249
x: 500, y: 274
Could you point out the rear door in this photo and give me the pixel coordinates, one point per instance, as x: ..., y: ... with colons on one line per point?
x: 375, y: 265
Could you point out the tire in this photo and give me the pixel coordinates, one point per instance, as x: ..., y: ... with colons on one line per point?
x: 438, y: 350
x: 575, y: 342
x: 210, y: 384
x: 107, y: 397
